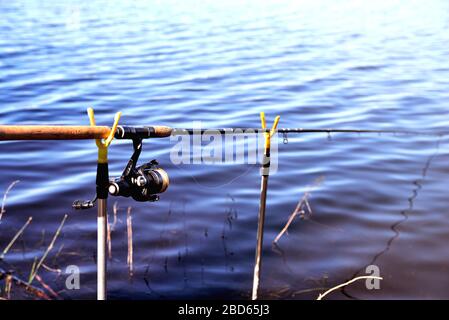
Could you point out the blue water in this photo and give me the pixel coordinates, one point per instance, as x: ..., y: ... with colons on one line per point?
x: 345, y: 64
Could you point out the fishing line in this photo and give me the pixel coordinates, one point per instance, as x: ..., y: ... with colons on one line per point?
x: 248, y: 170
x: 404, y: 213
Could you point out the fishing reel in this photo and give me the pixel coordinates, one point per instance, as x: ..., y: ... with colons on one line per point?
x: 142, y: 183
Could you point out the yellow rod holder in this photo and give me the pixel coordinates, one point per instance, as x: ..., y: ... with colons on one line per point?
x: 103, y: 144
x: 271, y: 132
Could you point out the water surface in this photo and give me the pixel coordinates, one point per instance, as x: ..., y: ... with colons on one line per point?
x: 346, y: 64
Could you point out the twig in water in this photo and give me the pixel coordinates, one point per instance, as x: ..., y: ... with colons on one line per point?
x: 322, y: 295
x: 47, y: 287
x: 301, y: 209
x: 2, y: 210
x: 130, y: 241
x: 33, y: 275
x: 289, y: 221
x: 15, y: 238
x: 58, y: 271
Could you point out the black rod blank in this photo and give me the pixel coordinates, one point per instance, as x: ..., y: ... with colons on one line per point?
x: 186, y: 131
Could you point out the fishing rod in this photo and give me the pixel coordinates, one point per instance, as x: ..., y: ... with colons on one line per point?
x: 144, y: 183
x: 57, y: 132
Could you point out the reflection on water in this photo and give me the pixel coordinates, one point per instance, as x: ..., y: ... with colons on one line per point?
x: 351, y: 64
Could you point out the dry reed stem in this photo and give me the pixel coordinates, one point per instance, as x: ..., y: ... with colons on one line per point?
x: 300, y: 209
x: 33, y: 267
x: 130, y: 241
x: 47, y: 287
x: 322, y: 295
x: 108, y: 239
x: 2, y: 210
x: 115, y: 211
x: 48, y: 249
x: 11, y: 243
x: 8, y: 285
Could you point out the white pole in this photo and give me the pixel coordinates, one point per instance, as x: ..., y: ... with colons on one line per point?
x: 101, y: 249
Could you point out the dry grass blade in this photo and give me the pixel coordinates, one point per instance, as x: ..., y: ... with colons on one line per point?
x: 2, y: 210
x: 130, y: 241
x: 301, y: 209
x: 11, y: 243
x: 322, y: 295
x: 33, y: 275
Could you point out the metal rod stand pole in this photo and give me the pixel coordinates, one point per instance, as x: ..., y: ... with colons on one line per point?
x: 264, y: 173
x: 101, y: 249
x: 260, y: 227
x: 102, y: 182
